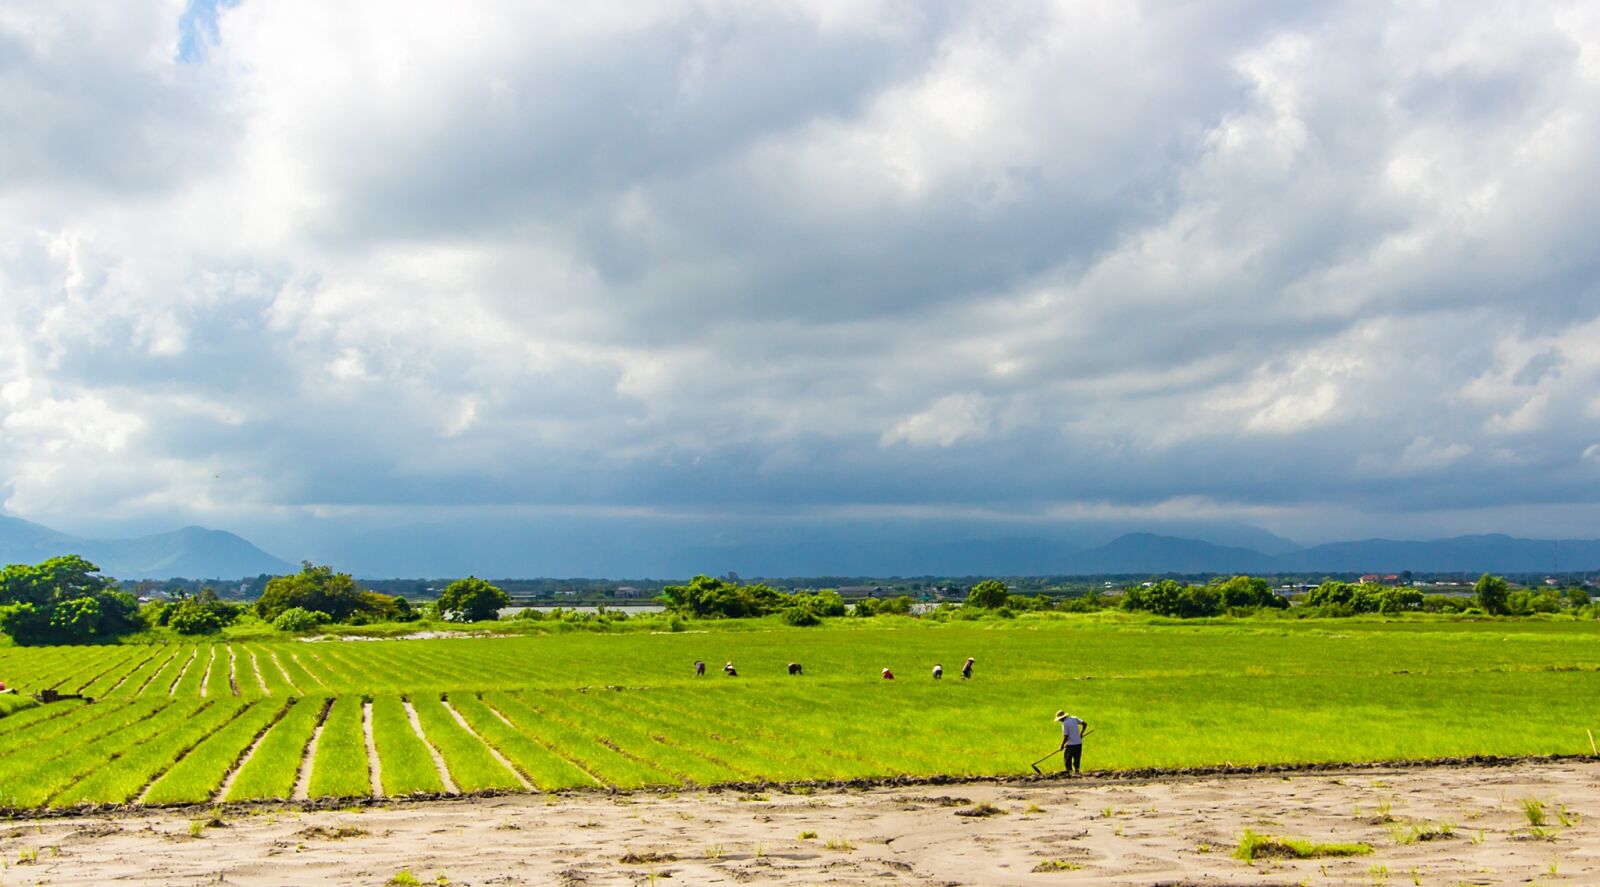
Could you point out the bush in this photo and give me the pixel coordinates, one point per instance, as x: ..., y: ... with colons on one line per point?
x: 300, y: 619
x: 472, y: 600
x: 990, y: 594
x: 708, y: 598
x: 801, y: 616
x: 1493, y: 594
x: 63, y: 600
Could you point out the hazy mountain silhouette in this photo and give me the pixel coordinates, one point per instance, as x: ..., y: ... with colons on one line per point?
x: 192, y: 552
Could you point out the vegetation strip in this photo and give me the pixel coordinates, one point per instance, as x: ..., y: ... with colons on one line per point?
x: 467, y: 760
x: 499, y: 758
x: 538, y: 763
x: 408, y: 766
x: 433, y: 751
x: 302, y: 783
x: 273, y: 766
x: 340, y: 767
x: 127, y: 776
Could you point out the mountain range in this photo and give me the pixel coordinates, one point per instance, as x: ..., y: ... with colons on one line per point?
x: 200, y: 553
x: 190, y: 552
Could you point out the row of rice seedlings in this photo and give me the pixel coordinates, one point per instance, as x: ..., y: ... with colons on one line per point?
x: 30, y: 750
x: 272, y: 673
x: 753, y: 720
x: 188, y: 686
x: 216, y: 685
x: 697, y: 724
x: 471, y: 766
x: 340, y: 675
x: 407, y: 765
x: 144, y: 673
x: 196, y: 777
x: 251, y: 675
x: 114, y: 677
x: 162, y: 682
x: 36, y: 724
x: 545, y: 768
x: 33, y: 787
x: 459, y: 668
x: 296, y: 674
x: 84, y: 664
x: 96, y: 667
x: 340, y: 768
x: 420, y: 668
x: 274, y: 766
x: 301, y: 668
x: 593, y: 711
x: 607, y: 763
x: 12, y: 702
x: 45, y: 666
x: 124, y: 778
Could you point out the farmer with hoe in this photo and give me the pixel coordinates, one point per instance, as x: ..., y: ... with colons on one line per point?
x: 1072, y: 730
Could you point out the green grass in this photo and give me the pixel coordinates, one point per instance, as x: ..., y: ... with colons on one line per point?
x: 622, y: 709
x: 340, y: 767
x: 406, y: 765
x: 275, y: 764
x: 199, y: 775
x: 1253, y: 846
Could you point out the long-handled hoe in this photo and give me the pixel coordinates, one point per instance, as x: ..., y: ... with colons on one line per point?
x: 1035, y: 764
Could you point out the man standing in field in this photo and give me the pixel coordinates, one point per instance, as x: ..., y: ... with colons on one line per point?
x: 1071, y: 741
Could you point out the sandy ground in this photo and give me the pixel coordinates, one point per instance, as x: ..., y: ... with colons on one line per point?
x: 1086, y: 831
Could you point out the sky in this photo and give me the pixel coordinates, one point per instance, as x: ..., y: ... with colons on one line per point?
x: 304, y: 269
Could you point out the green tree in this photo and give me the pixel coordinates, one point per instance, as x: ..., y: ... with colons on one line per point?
x: 472, y: 600
x: 313, y: 588
x: 1494, y: 594
x: 708, y: 598
x: 63, y: 600
x: 990, y: 594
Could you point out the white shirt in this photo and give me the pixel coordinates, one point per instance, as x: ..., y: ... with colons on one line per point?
x: 1072, y: 729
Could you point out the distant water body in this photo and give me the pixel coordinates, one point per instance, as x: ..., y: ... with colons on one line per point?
x: 630, y: 609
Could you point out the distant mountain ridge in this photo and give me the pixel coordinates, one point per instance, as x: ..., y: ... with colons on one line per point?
x: 200, y: 553
x: 191, y: 552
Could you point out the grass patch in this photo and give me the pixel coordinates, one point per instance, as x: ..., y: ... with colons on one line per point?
x: 1254, y: 846
x: 982, y: 808
x: 1057, y: 865
x: 648, y: 857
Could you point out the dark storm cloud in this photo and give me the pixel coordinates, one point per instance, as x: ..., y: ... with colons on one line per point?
x: 707, y: 258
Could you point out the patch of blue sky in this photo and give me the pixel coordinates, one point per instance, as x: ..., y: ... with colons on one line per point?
x: 197, y: 28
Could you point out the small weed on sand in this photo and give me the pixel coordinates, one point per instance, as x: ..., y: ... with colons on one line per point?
x: 713, y: 851
x: 1253, y: 846
x: 404, y: 878
x: 1057, y: 865
x: 649, y: 857
x: 1533, y: 811
x: 982, y: 808
x: 840, y: 844
x: 808, y: 836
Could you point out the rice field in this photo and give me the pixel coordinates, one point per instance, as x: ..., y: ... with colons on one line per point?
x: 263, y: 721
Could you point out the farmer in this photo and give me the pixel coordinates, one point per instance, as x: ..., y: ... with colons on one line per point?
x: 966, y: 670
x: 699, y: 668
x: 938, y: 672
x: 730, y: 671
x: 888, y: 675
x: 794, y: 668
x: 1071, y: 741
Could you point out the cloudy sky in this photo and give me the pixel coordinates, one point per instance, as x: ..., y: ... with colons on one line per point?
x: 285, y: 267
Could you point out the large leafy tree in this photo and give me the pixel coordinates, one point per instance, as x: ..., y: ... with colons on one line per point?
x: 313, y: 588
x: 472, y: 600
x: 990, y: 594
x: 710, y: 598
x: 1494, y: 594
x: 63, y: 600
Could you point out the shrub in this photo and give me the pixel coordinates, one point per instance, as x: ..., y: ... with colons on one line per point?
x: 1493, y: 594
x: 708, y: 598
x: 472, y: 600
x: 63, y: 600
x: 801, y: 616
x: 990, y: 594
x: 300, y: 619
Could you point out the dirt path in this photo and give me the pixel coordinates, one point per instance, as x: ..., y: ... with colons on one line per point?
x: 1086, y: 832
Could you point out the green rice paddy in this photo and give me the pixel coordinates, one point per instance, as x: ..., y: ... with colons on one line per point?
x: 194, y: 723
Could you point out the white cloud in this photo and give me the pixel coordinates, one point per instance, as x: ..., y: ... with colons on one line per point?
x: 695, y: 256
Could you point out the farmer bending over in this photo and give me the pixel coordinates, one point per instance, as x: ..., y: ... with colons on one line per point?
x: 1071, y: 741
x: 888, y: 675
x: 699, y: 668
x: 794, y: 668
x: 966, y: 670
x: 938, y: 672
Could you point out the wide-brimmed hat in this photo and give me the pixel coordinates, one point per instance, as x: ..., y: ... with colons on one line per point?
x: 1061, y: 715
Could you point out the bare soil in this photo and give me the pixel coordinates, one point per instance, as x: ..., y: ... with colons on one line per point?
x: 1432, y: 825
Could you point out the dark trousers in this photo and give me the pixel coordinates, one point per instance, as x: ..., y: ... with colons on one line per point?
x: 1072, y: 758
